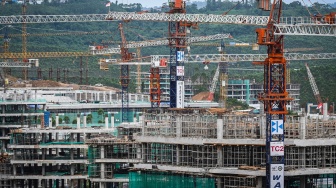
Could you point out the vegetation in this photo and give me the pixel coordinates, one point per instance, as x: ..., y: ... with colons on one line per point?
x: 69, y: 68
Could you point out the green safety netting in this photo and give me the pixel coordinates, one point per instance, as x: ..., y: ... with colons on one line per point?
x: 168, y: 180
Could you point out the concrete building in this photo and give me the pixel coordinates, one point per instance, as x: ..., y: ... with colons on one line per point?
x: 202, y: 147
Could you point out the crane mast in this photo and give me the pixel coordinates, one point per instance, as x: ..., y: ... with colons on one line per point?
x: 124, y: 74
x: 275, y: 96
x: 177, y: 32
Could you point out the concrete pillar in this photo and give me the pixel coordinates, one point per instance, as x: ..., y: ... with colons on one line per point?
x: 178, y: 154
x: 178, y: 126
x: 102, y: 165
x: 35, y: 95
x: 14, y: 170
x: 57, y: 120
x: 102, y: 170
x: 84, y: 120
x: 144, y: 156
x: 80, y: 96
x: 92, y: 93
x: 220, y: 127
x: 86, y: 95
x: 219, y: 156
x: 325, y: 111
x: 78, y: 121
x: 106, y: 121
x: 141, y: 120
x: 262, y: 123
x: 303, y: 182
x: 104, y: 96
x: 303, y: 123
x: 72, y: 170
x: 110, y: 96
x: 102, y: 185
x: 138, y: 150
x: 259, y: 182
x: 112, y: 120
x: 219, y: 182
x: 25, y: 95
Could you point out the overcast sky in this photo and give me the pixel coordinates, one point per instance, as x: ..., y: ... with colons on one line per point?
x: 151, y: 3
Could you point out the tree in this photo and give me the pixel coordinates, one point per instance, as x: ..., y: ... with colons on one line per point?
x: 89, y: 118
x: 66, y: 119
x: 74, y: 121
x: 100, y: 112
x: 60, y: 120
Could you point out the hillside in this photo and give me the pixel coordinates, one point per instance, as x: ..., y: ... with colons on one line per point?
x: 69, y: 69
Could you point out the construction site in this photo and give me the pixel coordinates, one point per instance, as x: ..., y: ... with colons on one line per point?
x: 165, y: 135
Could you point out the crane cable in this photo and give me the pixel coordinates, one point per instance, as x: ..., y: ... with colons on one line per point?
x: 307, y: 8
x: 314, y: 7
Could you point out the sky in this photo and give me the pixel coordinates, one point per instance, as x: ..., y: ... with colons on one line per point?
x: 152, y: 3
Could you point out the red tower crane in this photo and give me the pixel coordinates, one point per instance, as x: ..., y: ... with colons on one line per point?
x: 275, y: 96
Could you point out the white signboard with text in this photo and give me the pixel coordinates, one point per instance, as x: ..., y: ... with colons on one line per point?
x: 277, y: 148
x: 179, y: 94
x: 179, y: 70
x: 277, y: 175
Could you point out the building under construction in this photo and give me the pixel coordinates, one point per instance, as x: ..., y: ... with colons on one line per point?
x: 192, y: 147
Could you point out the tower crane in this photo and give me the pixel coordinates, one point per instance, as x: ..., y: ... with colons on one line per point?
x: 124, y: 74
x: 314, y: 87
x: 275, y: 96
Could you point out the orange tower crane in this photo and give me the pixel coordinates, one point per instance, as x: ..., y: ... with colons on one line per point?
x: 275, y: 96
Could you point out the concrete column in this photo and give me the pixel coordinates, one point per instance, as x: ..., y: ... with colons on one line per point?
x: 303, y: 123
x: 86, y: 95
x: 178, y: 154
x: 220, y: 156
x: 259, y: 182
x: 35, y: 95
x: 102, y: 165
x: 106, y: 121
x: 104, y: 96
x: 303, y: 182
x: 325, y: 111
x: 144, y: 156
x: 102, y: 184
x: 138, y: 151
x: 80, y: 96
x: 72, y: 170
x: 78, y: 121
x: 112, y: 120
x: 43, y: 169
x: 219, y: 182
x: 141, y: 120
x: 220, y: 127
x: 178, y: 126
x: 110, y: 96
x: 92, y: 93
x: 57, y: 120
x: 14, y: 170
x: 57, y: 149
x: 262, y: 123
x: 84, y: 120
x: 102, y: 170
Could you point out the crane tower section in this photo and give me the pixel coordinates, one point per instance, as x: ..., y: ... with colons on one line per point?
x: 314, y: 87
x: 177, y: 31
x: 275, y: 96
